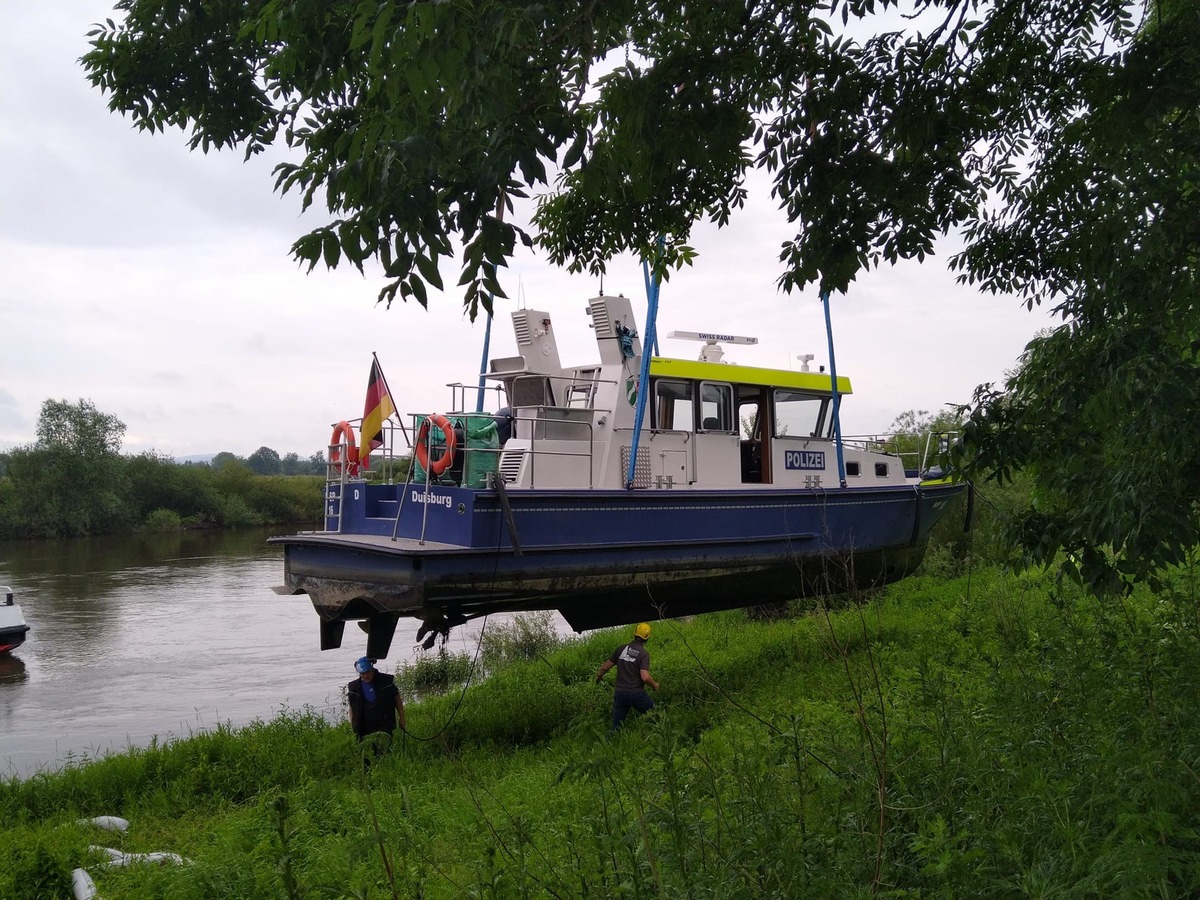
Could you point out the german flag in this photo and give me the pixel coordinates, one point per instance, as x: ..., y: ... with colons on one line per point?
x: 377, y: 410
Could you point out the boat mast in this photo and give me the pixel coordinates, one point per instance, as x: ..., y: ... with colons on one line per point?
x: 649, y: 340
x: 837, y: 398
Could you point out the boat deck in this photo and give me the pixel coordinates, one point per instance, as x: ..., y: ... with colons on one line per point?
x: 384, y: 543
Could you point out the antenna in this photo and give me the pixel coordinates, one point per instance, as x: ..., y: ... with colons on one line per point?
x: 805, y: 359
x: 710, y: 352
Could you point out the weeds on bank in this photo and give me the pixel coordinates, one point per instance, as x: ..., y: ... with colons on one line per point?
x: 431, y: 674
x: 993, y: 737
x: 522, y: 638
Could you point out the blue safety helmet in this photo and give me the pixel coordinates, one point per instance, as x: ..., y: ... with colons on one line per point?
x: 363, y: 665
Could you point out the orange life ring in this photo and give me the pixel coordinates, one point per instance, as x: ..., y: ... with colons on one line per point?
x: 443, y: 462
x: 342, y: 430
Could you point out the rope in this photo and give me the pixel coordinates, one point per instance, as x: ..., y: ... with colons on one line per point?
x: 462, y: 694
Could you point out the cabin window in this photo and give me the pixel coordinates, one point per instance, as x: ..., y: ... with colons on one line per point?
x: 799, y: 415
x: 531, y: 390
x: 748, y: 420
x: 716, y: 407
x: 852, y: 468
x: 881, y: 470
x: 673, y: 405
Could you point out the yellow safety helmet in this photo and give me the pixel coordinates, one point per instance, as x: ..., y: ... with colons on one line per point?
x: 642, y: 631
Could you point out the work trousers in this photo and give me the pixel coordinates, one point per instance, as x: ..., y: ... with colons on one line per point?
x: 623, y: 701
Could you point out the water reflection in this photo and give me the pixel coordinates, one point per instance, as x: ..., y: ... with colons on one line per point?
x: 12, y: 669
x: 79, y: 590
x: 83, y: 568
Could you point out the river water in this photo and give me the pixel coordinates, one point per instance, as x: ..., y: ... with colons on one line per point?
x: 163, y: 635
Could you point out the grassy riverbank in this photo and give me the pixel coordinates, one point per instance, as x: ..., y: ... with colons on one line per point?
x: 982, y: 736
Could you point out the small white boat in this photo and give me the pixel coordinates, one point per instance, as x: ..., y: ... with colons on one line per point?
x: 12, y: 624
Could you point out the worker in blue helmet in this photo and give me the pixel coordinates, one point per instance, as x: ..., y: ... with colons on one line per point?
x: 375, y: 702
x: 632, y: 662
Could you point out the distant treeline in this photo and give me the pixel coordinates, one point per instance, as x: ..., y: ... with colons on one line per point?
x: 74, y: 481
x: 265, y: 461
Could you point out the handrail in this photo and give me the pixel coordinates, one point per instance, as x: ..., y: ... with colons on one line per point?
x: 590, y: 455
x: 534, y: 449
x: 458, y: 389
x: 944, y: 441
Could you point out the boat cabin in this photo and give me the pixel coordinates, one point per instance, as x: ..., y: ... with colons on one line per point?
x: 708, y: 423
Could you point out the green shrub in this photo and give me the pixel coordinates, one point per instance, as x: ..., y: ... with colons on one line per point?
x: 163, y: 520
x: 431, y: 674
x: 37, y: 864
x: 284, y: 498
x: 524, y: 637
x: 235, y: 512
x: 942, y: 561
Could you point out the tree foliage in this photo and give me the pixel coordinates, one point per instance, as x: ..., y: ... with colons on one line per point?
x: 74, y: 482
x: 56, y: 492
x: 417, y: 123
x: 53, y: 492
x: 79, y: 428
x: 1101, y: 411
x: 1058, y: 137
x: 264, y: 461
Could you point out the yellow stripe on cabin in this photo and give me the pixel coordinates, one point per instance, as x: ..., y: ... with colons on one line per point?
x: 818, y: 382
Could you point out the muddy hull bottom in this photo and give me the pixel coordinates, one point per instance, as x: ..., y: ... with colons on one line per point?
x: 379, y: 582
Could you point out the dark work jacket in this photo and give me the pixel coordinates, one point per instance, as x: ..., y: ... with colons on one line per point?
x: 380, y: 715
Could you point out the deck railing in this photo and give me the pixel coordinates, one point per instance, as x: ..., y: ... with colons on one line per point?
x: 917, y: 452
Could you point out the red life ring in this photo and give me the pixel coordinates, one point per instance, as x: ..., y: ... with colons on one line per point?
x: 343, y: 432
x: 443, y: 462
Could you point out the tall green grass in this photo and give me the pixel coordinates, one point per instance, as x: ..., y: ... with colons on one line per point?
x: 521, y: 638
x: 984, y: 736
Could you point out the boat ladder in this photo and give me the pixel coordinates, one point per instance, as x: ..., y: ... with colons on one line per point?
x: 335, y: 487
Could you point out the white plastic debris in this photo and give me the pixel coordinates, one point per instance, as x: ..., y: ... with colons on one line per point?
x: 82, y: 885
x: 159, y: 857
x: 108, y: 823
x: 81, y: 881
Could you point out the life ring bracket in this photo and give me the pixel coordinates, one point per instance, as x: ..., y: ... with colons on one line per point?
x: 423, y: 449
x: 343, y: 434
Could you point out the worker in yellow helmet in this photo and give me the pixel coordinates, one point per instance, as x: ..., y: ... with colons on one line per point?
x: 632, y: 662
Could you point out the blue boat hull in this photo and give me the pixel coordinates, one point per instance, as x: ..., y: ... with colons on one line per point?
x: 599, y: 557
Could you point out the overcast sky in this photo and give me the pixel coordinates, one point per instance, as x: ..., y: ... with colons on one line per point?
x: 158, y: 284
